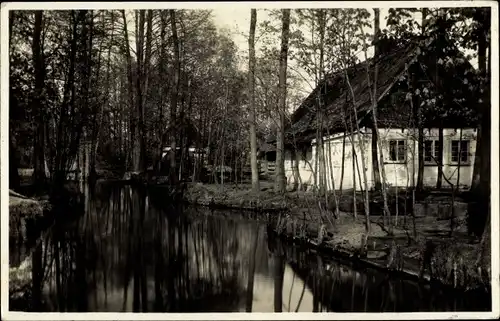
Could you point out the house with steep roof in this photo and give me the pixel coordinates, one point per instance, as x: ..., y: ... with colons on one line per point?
x: 422, y: 83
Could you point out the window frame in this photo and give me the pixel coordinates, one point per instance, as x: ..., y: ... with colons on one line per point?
x: 397, y: 146
x: 434, y: 149
x: 461, y: 151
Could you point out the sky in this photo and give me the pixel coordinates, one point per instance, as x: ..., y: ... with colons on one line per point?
x: 237, y: 21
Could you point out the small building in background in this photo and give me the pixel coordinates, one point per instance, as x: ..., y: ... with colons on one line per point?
x: 266, y: 158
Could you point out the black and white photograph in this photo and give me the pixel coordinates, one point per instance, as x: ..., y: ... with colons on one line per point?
x: 220, y: 159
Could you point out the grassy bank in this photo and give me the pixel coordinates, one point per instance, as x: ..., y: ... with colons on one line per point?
x: 24, y: 213
x: 419, y: 246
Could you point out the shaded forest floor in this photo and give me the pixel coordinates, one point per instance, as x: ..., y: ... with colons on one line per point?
x: 296, y: 216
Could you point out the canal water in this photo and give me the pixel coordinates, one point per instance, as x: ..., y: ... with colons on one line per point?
x: 132, y: 251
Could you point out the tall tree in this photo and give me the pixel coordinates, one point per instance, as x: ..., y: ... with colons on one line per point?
x: 130, y: 82
x: 279, y: 273
x: 375, y: 157
x: 138, y: 158
x: 174, y: 95
x: 14, y: 179
x: 320, y: 110
x: 280, y: 179
x: 163, y: 87
x: 481, y: 189
x: 251, y: 90
x: 373, y: 84
x: 100, y: 106
x: 39, y: 69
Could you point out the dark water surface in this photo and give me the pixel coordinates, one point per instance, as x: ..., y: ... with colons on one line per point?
x: 134, y: 252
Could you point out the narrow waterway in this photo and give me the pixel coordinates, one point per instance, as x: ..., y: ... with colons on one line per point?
x: 134, y: 252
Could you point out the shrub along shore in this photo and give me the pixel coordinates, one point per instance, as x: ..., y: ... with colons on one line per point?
x: 420, y: 245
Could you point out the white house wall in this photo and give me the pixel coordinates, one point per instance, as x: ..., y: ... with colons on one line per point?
x: 304, y: 168
x: 333, y: 147
x: 333, y: 159
x: 450, y: 170
x: 398, y: 173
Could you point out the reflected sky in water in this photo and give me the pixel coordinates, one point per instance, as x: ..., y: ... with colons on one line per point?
x: 132, y: 251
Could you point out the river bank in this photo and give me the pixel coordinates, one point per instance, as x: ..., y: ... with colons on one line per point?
x: 24, y: 213
x: 295, y: 217
x: 117, y: 208
x: 418, y: 243
x: 29, y: 218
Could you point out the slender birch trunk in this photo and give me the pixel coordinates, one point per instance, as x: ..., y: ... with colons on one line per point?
x: 173, y: 102
x: 251, y: 85
x: 280, y: 146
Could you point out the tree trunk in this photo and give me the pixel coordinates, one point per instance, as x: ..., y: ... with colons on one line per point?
x: 38, y: 102
x: 482, y: 191
x: 130, y: 78
x: 417, y: 114
x: 297, y: 180
x: 14, y: 179
x: 485, y: 248
x: 162, y: 91
x: 362, y: 150
x: 279, y: 271
x: 323, y: 182
x: 86, y: 92
x: 375, y: 157
x: 99, y: 112
x: 476, y: 172
x: 439, y: 182
x: 342, y: 169
x: 146, y: 69
x: 173, y: 101
x: 251, y: 84
x: 482, y: 159
x: 138, y: 149
x: 251, y: 271
x: 280, y: 139
x: 335, y: 207
x: 420, y: 147
x: 375, y: 163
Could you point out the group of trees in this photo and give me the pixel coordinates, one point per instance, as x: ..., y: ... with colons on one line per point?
x: 321, y: 41
x: 131, y: 83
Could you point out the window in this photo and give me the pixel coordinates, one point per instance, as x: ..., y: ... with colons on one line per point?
x: 306, y: 158
x: 397, y: 150
x: 431, y: 151
x: 460, y: 151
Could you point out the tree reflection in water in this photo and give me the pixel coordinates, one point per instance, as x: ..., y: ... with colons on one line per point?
x: 134, y: 251
x: 338, y: 287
